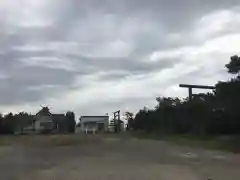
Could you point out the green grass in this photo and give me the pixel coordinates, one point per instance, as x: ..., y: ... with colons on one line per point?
x: 57, y: 139
x: 207, y: 142
x: 232, y: 145
x: 193, y: 141
x: 48, y: 140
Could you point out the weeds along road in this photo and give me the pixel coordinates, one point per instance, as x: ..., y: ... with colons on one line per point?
x: 95, y: 157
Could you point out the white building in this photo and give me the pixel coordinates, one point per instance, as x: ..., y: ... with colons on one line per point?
x: 94, y: 123
x: 43, y: 120
x: 42, y: 123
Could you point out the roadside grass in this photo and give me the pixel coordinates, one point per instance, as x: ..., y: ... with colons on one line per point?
x: 59, y: 139
x: 48, y: 140
x: 202, y: 142
x: 231, y: 144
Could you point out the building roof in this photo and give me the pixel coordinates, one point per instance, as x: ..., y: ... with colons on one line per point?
x: 58, y: 115
x: 94, y: 116
x: 44, y: 112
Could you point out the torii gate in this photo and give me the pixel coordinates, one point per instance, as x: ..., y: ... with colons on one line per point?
x: 116, y: 117
x: 190, y: 87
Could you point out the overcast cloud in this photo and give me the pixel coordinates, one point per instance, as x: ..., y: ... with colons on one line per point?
x: 95, y: 57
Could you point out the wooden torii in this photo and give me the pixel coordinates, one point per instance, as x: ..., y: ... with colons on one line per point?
x: 116, y: 117
x: 190, y: 87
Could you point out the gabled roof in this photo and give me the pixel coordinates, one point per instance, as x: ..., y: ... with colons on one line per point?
x: 44, y: 112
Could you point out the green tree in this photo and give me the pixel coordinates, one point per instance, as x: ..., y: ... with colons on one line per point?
x: 210, y: 113
x: 1, y: 123
x: 22, y: 120
x: 9, y: 124
x: 71, y: 123
x: 129, y: 118
x: 234, y: 65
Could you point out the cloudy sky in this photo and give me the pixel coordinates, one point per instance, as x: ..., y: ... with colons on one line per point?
x: 98, y: 56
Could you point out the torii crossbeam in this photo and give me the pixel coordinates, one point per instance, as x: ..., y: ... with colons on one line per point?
x: 190, y: 87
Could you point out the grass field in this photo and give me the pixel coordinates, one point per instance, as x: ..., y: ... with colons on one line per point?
x: 46, y: 140
x: 230, y: 144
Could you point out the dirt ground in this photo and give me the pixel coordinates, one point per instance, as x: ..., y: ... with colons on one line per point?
x: 113, y: 158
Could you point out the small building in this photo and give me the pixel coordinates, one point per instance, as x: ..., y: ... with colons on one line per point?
x: 43, y: 121
x: 94, y: 123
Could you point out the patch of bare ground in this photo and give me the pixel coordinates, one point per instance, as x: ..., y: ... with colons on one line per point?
x: 111, y: 157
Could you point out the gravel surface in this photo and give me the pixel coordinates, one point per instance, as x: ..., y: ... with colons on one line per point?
x: 116, y: 159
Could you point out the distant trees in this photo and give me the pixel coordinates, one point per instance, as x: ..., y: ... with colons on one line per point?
x: 129, y: 118
x: 1, y: 123
x: 22, y: 119
x: 234, y: 65
x: 8, y: 124
x: 211, y: 113
x: 71, y: 123
x: 11, y: 123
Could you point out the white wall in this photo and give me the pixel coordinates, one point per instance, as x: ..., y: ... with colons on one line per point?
x: 40, y: 119
x: 96, y: 119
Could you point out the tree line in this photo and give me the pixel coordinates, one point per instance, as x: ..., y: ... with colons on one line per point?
x: 206, y: 114
x: 11, y: 123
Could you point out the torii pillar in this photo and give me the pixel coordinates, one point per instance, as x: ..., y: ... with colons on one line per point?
x: 116, y: 118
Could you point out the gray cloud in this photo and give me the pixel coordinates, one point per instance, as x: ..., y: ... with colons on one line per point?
x: 108, y: 40
x: 172, y: 15
x: 128, y: 64
x: 18, y: 87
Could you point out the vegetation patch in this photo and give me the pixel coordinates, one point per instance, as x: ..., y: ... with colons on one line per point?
x: 48, y: 140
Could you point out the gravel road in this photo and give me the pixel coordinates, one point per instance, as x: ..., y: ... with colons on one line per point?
x: 116, y: 159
